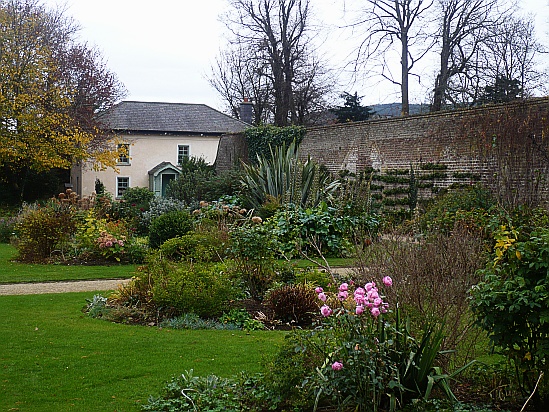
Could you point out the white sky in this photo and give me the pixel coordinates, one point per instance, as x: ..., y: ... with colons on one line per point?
x: 163, y: 50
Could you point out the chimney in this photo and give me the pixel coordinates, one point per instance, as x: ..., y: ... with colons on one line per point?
x: 246, y: 111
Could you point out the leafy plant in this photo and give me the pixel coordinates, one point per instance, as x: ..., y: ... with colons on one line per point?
x: 283, y: 177
x: 512, y: 305
x: 7, y: 227
x: 194, y: 247
x: 263, y: 139
x: 168, y: 226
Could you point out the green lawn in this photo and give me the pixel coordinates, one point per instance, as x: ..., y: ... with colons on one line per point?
x: 11, y: 272
x: 55, y: 358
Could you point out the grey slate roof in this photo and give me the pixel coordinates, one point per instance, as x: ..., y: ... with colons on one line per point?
x: 169, y: 118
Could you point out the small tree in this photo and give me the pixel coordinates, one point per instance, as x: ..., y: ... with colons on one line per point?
x: 352, y: 110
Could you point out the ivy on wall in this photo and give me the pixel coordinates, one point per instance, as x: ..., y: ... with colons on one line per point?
x: 261, y: 138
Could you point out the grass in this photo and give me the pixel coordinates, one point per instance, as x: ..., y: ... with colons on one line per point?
x: 55, y: 358
x: 13, y: 272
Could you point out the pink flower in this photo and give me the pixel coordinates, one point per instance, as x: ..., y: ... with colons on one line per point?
x: 360, y: 291
x: 342, y: 295
x: 337, y: 366
x: 372, y: 294
x: 378, y: 302
x: 108, y: 243
x: 319, y: 290
x: 343, y: 287
x: 375, y: 312
x: 322, y: 297
x: 121, y: 243
x: 369, y: 286
x: 326, y: 311
x: 359, y: 309
x: 387, y: 281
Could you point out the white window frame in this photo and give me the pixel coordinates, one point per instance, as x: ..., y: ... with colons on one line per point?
x: 181, y: 152
x: 126, y: 159
x: 121, y: 186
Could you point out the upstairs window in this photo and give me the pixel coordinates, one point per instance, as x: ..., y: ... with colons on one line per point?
x: 124, y: 154
x: 183, y: 152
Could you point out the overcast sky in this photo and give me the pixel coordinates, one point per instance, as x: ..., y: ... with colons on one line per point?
x: 163, y: 50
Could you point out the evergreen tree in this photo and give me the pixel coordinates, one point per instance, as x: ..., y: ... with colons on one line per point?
x: 352, y: 110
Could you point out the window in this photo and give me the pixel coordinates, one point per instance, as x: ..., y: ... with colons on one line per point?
x: 124, y: 154
x: 183, y: 152
x: 122, y: 183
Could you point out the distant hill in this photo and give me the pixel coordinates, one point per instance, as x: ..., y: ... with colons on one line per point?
x: 393, y: 109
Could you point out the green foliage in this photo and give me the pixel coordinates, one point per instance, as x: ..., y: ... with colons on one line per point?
x: 194, y: 247
x: 7, y: 228
x: 262, y: 140
x: 192, y: 185
x: 253, y: 249
x: 512, y: 304
x: 433, y: 166
x: 320, y: 229
x: 294, y: 303
x: 202, y: 289
x: 158, y: 206
x: 168, y: 226
x: 352, y: 110
x: 284, y: 178
x: 468, y: 205
x: 241, y: 319
x: 193, y: 321
x: 212, y: 393
x: 42, y: 231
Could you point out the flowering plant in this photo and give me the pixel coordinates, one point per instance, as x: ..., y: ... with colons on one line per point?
x: 109, y: 246
x: 371, y: 359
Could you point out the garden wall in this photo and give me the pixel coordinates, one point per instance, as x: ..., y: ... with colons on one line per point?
x: 500, y: 145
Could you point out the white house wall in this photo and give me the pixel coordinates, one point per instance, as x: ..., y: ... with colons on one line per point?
x: 146, y: 152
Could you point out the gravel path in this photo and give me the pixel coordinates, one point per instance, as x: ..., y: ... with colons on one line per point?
x: 60, y: 287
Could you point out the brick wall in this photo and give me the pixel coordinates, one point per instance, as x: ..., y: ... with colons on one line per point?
x: 447, y: 138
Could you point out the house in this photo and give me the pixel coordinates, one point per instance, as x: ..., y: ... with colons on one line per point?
x: 155, y: 137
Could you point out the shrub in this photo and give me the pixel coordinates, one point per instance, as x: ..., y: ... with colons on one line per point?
x: 158, y: 206
x: 168, y: 226
x: 294, y: 303
x: 44, y: 230
x: 182, y: 288
x: 253, y: 249
x: 512, y: 305
x: 135, y: 201
x: 194, y: 247
x: 7, y: 228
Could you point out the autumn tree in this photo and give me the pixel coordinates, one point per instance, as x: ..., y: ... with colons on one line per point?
x: 394, y: 25
x: 269, y: 60
x: 51, y: 91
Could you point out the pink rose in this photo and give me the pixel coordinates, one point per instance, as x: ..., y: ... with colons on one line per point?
x: 337, y: 366
x: 360, y: 291
x: 359, y: 309
x: 375, y: 312
x: 343, y: 287
x: 326, y: 311
x: 322, y: 296
x: 319, y: 290
x: 121, y: 243
x: 378, y: 302
x: 369, y: 286
x: 387, y: 281
x: 108, y: 243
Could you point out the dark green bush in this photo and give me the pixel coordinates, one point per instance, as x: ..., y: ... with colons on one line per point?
x: 168, y: 226
x: 260, y: 139
x: 194, y: 247
x: 7, y: 227
x: 294, y: 303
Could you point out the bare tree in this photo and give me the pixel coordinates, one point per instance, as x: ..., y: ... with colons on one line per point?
x: 270, y: 48
x: 463, y: 27
x: 512, y: 53
x: 400, y: 24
